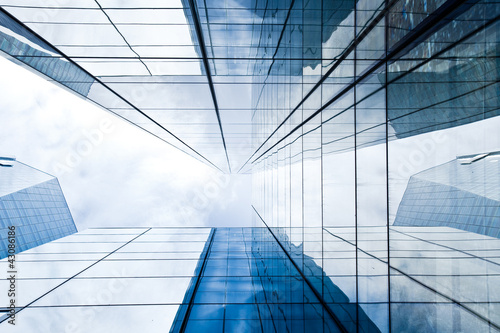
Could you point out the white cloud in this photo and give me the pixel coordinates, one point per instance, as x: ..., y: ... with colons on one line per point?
x: 113, y: 174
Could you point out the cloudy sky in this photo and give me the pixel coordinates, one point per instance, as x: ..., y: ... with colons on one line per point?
x: 112, y: 173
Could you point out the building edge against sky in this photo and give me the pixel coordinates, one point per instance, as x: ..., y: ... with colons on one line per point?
x: 349, y: 102
x: 31, y: 201
x: 454, y: 195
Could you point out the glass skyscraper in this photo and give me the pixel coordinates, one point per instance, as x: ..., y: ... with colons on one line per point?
x: 31, y: 201
x: 455, y: 195
x: 346, y: 113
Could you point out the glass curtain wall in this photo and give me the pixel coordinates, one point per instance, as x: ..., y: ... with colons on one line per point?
x: 392, y: 116
x: 33, y: 210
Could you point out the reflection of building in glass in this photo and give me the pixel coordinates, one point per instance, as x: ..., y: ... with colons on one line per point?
x: 194, y: 279
x: 315, y: 99
x: 241, y: 280
x: 444, y: 262
x: 463, y: 194
x: 246, y: 273
x: 33, y: 202
x: 440, y: 98
x: 322, y: 19
x: 21, y: 44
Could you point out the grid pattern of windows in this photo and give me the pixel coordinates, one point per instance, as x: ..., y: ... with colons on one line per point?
x: 192, y: 279
x: 32, y: 202
x: 334, y: 107
x: 101, y: 279
x: 399, y: 87
x: 455, y: 195
x: 243, y: 280
x: 249, y: 284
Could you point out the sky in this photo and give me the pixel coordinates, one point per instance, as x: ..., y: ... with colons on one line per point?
x: 111, y: 172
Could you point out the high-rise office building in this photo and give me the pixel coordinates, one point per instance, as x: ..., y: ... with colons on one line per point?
x: 455, y: 195
x: 31, y: 202
x: 331, y: 106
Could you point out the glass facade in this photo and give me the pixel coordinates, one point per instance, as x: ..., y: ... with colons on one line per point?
x: 32, y: 202
x: 369, y: 127
x: 245, y: 280
x: 455, y: 195
x: 192, y: 279
x: 349, y: 153
x: 101, y: 280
